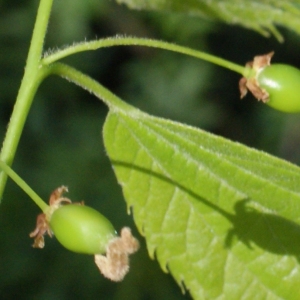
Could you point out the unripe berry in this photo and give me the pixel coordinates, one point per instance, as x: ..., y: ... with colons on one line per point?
x: 277, y: 85
x: 81, y: 229
x: 282, y: 82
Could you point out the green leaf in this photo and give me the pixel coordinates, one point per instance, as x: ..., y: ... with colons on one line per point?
x: 221, y: 217
x: 259, y: 15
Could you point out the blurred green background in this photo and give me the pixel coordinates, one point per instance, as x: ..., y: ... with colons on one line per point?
x: 62, y: 142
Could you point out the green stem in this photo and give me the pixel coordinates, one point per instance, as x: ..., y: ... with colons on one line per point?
x: 24, y: 186
x: 126, y: 41
x: 34, y: 74
x: 94, y: 87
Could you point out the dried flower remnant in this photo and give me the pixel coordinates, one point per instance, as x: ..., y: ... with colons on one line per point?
x: 42, y: 221
x: 115, y: 264
x: 251, y: 83
x: 42, y: 227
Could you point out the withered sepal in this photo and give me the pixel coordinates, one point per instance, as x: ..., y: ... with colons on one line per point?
x: 251, y: 84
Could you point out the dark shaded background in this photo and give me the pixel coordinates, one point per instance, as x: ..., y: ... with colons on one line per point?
x: 62, y: 142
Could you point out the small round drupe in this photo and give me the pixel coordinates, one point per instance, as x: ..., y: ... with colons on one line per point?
x: 282, y: 82
x: 81, y: 229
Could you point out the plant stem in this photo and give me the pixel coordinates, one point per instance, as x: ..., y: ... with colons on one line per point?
x: 94, y: 87
x: 24, y: 186
x: 34, y: 74
x: 126, y: 41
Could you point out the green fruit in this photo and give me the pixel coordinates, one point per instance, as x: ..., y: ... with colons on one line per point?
x: 282, y: 82
x: 81, y: 229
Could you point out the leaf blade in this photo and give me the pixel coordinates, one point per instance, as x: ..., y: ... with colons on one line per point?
x: 261, y: 16
x: 192, y: 227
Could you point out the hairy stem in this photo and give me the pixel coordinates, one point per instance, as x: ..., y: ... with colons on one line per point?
x: 126, y: 41
x: 34, y: 74
x: 24, y: 186
x: 91, y: 85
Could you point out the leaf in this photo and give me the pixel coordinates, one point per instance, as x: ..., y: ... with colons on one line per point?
x: 258, y: 15
x: 221, y: 217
